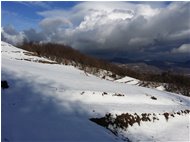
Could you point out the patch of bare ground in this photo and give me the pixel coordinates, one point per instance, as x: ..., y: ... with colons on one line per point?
x: 153, y: 98
x: 118, y: 94
x: 123, y: 121
x: 27, y: 59
x: 105, y: 94
x: 15, y: 51
x: 30, y: 53
x: 46, y: 62
x: 38, y: 61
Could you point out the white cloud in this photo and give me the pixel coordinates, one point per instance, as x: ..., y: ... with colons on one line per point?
x: 147, y: 10
x: 117, y: 24
x: 113, y: 10
x: 9, y: 35
x: 95, y: 22
x: 185, y: 48
x: 54, y: 23
x: 41, y: 4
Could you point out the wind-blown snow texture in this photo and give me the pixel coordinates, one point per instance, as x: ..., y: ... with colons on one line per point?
x: 51, y: 102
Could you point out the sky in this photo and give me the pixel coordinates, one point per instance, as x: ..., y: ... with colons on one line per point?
x: 134, y: 30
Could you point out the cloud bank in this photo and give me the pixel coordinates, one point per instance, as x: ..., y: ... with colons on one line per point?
x: 113, y: 27
x: 10, y: 35
x: 185, y: 48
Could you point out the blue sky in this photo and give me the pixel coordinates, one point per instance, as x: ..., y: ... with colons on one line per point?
x: 149, y: 29
x: 23, y: 15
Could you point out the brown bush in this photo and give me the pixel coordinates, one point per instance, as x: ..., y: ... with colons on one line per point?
x: 64, y: 54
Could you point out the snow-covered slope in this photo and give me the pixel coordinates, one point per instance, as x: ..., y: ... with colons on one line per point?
x: 52, y: 102
x: 128, y: 80
x: 11, y: 52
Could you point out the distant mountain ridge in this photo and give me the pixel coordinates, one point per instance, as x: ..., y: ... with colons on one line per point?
x: 160, y: 66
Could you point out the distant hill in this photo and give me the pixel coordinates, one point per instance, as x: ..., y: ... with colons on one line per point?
x: 155, y: 66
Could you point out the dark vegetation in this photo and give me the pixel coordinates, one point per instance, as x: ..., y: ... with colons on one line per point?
x: 117, y: 94
x: 123, y: 121
x: 178, y: 83
x: 153, y: 98
x: 104, y: 93
x: 63, y: 54
x: 4, y: 84
x: 67, y: 55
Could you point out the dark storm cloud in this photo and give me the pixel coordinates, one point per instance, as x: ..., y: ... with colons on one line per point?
x: 33, y: 35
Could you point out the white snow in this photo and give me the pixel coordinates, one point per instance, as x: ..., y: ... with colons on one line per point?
x: 11, y: 52
x: 51, y: 102
x: 176, y: 129
x: 128, y: 80
x: 161, y: 88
